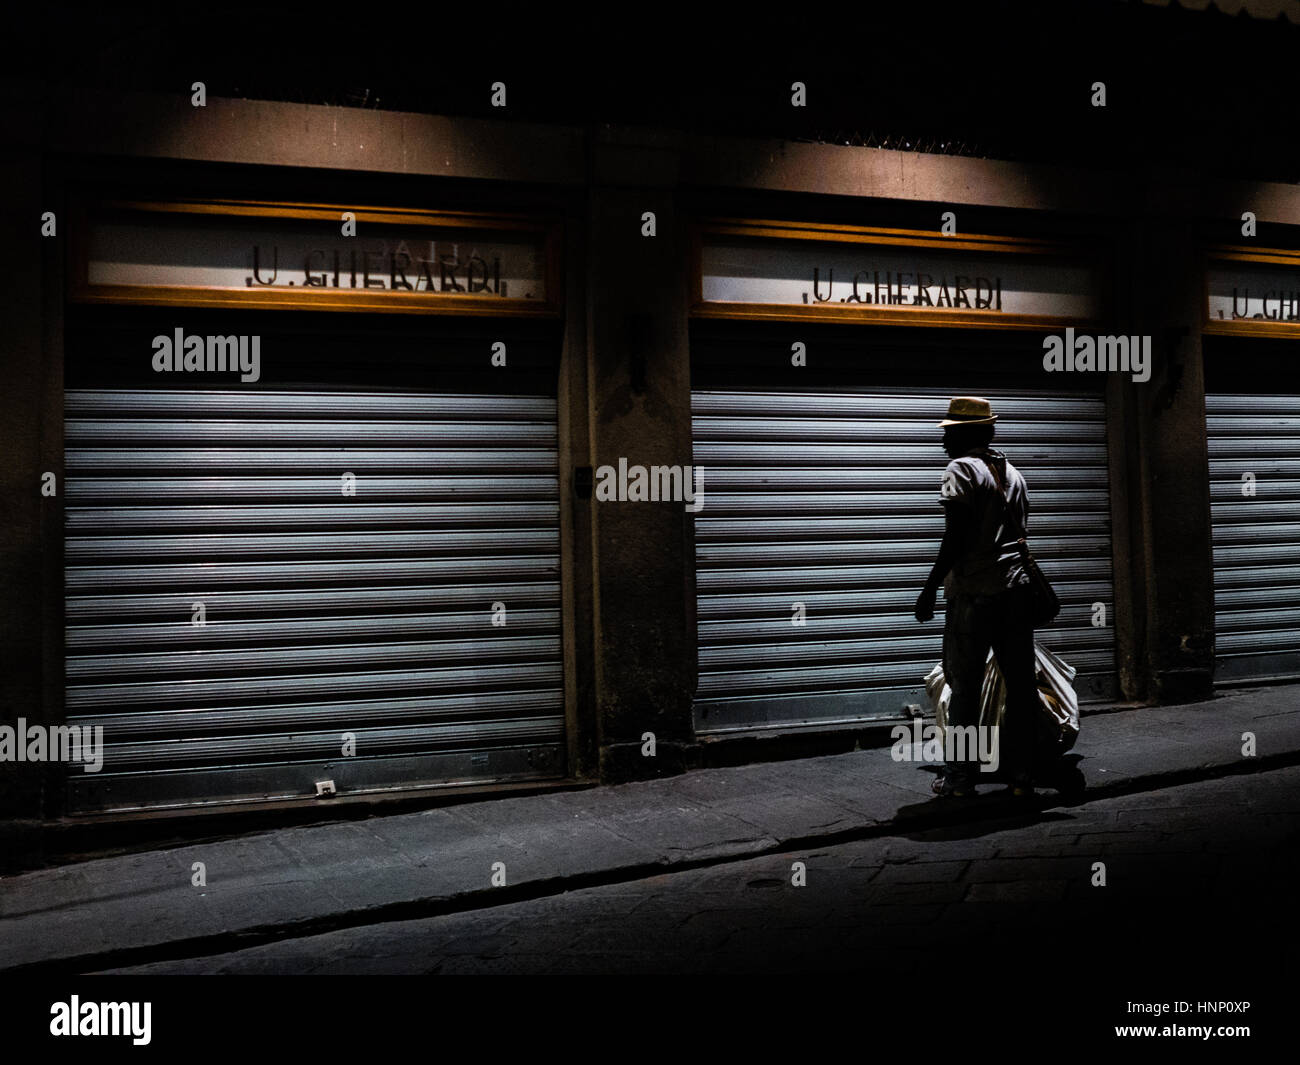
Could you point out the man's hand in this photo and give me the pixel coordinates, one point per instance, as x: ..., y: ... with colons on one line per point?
x: 957, y: 533
x: 925, y: 603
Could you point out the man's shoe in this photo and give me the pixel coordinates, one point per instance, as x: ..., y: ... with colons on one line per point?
x: 948, y: 786
x: 1064, y: 777
x: 1022, y: 786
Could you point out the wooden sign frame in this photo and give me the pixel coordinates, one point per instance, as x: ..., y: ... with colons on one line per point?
x: 548, y: 231
x: 1087, y: 256
x: 1256, y: 327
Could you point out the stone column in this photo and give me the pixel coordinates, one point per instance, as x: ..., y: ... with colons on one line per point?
x: 1165, y: 290
x: 639, y: 369
x: 30, y: 415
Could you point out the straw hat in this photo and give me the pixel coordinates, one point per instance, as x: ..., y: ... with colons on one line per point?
x: 969, y: 410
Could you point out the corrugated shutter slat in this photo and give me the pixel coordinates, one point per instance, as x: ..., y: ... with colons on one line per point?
x: 325, y: 613
x: 831, y: 499
x: 1256, y: 536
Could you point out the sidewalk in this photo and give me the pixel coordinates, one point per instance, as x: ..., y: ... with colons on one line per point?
x: 132, y: 909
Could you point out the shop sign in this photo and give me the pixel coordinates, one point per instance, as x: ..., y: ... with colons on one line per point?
x: 847, y: 276
x: 1243, y: 292
x: 317, y: 257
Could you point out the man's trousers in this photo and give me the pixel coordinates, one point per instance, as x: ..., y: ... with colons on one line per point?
x: 973, y: 624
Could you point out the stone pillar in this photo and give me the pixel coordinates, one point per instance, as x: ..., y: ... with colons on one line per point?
x: 31, y: 529
x: 639, y: 372
x: 1165, y: 293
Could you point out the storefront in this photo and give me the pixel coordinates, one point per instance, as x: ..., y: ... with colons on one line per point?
x: 822, y: 359
x: 312, y: 502
x: 1252, y: 408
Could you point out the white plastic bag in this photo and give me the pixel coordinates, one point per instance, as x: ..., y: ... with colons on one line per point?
x: 1058, y: 724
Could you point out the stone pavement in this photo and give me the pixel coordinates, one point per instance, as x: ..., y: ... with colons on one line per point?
x: 140, y: 908
x: 1199, y: 882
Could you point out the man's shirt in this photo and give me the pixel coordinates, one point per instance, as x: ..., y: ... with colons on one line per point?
x: 991, y: 562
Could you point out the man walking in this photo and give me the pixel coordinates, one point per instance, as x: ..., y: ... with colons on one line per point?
x: 986, y: 593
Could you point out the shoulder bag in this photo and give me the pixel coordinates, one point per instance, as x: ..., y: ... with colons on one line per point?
x: 1044, y: 603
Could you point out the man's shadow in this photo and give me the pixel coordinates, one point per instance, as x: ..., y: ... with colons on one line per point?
x: 993, y: 809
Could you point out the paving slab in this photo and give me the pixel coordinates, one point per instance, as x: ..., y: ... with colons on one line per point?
x: 742, y: 917
x: 334, y: 874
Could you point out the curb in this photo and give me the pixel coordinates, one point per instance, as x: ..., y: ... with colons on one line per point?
x: 928, y: 816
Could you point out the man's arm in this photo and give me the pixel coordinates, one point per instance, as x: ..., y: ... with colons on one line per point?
x: 956, y: 535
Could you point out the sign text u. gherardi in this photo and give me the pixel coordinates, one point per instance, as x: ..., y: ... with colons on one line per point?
x: 294, y: 256
x: 427, y: 267
x: 814, y: 274
x: 903, y: 288
x: 1253, y: 292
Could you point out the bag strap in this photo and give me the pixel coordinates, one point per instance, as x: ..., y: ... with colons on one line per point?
x: 1016, y: 527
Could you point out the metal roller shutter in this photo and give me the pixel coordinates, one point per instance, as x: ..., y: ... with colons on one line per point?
x: 326, y: 613
x: 1256, y: 537
x: 830, y: 499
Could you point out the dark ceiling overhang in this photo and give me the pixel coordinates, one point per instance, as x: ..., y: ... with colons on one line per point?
x: 1261, y: 9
